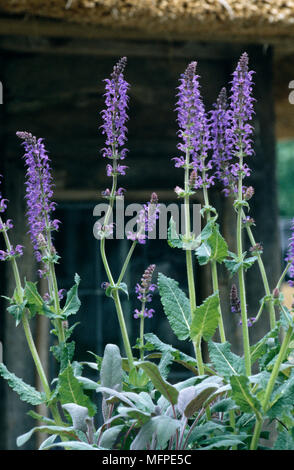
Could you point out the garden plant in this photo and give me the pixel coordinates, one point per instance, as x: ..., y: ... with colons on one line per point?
x: 227, y: 401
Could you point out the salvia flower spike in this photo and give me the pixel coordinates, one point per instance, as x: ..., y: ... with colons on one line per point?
x: 144, y: 292
x: 234, y: 300
x: 39, y: 191
x: 193, y: 126
x: 290, y: 256
x: 146, y: 220
x: 11, y: 251
x: 114, y: 119
x: 241, y: 112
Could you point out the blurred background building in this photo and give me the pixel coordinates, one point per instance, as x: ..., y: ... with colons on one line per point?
x: 53, y: 59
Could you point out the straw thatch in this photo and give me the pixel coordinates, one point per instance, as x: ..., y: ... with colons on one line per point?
x: 259, y: 19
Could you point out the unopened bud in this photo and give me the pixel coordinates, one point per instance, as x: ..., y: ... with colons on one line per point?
x: 192, y: 179
x: 249, y: 193
x: 276, y: 293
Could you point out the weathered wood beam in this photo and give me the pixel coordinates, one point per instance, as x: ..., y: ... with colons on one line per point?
x: 23, y: 25
x: 111, y: 47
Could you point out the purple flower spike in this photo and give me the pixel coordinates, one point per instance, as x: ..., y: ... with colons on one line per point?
x: 193, y: 124
x: 241, y: 110
x: 290, y: 256
x: 221, y: 155
x: 144, y: 292
x: 146, y: 220
x: 115, y: 115
x: 234, y: 300
x: 39, y: 191
x: 13, y: 253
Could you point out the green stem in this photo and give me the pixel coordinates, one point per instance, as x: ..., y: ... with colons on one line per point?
x: 278, y: 286
x: 270, y: 385
x: 272, y: 313
x: 246, y: 344
x: 256, y: 434
x: 216, y: 289
x: 214, y: 275
x: 29, y: 336
x: 123, y: 329
x: 245, y: 334
x: 189, y: 264
x: 126, y: 263
x: 142, y: 332
x: 200, y: 365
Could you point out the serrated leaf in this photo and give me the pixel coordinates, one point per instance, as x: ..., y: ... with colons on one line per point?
x: 25, y: 392
x: 224, y: 442
x: 205, y: 318
x: 16, y: 310
x: 213, y: 247
x: 225, y: 362
x: 178, y: 356
x: 165, y: 388
x: 176, y: 306
x: 72, y: 303
x: 242, y: 395
x: 64, y: 353
x: 35, y: 303
x: 111, y: 374
x: 71, y: 391
x: 285, y: 440
x: 234, y: 264
x: 203, y: 253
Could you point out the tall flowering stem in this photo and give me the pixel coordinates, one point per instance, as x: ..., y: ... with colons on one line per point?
x: 114, y: 127
x: 4, y: 227
x: 225, y: 172
x: 144, y: 292
x: 192, y: 134
x: 240, y: 144
x: 39, y: 192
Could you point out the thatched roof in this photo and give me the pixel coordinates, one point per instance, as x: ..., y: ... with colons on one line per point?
x: 258, y: 19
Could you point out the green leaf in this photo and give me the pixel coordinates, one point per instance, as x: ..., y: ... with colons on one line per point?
x: 64, y: 353
x: 213, y: 247
x: 165, y: 388
x: 111, y: 374
x: 206, y: 318
x: 242, y: 395
x: 285, y: 440
x: 35, y: 303
x: 16, y: 310
x: 176, y: 306
x: 173, y: 239
x: 203, y: 253
x: 226, y: 442
x: 110, y: 436
x: 72, y: 303
x: 225, y: 362
x: 71, y: 391
x: 26, y: 392
x: 178, y: 356
x: 164, y: 427
x: 197, y: 402
x: 261, y: 347
x: 59, y: 430
x: 234, y: 264
x: 73, y: 445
